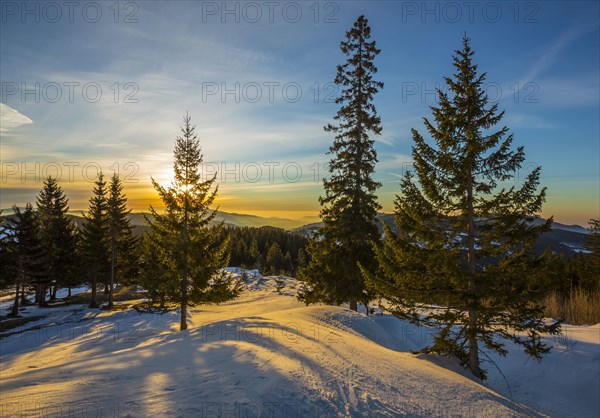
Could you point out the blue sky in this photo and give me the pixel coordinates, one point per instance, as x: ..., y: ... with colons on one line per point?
x: 155, y: 60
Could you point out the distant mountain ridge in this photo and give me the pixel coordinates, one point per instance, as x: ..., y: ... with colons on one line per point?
x: 563, y: 239
x: 235, y: 219
x: 389, y: 219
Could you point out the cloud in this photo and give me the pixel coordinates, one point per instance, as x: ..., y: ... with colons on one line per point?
x: 11, y: 118
x: 523, y: 120
x: 552, y: 53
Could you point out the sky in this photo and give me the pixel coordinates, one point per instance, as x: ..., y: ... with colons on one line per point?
x: 103, y: 86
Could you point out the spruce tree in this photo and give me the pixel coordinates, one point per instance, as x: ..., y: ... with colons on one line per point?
x: 27, y: 252
x: 275, y: 260
x: 465, y: 233
x: 5, y: 256
x: 122, y: 243
x: 255, y: 255
x: 301, y: 259
x: 59, y: 236
x: 187, y: 247
x: 592, y: 243
x: 350, y: 206
x: 96, y: 238
x: 155, y: 274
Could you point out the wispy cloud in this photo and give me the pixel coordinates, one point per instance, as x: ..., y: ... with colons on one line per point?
x: 524, y: 120
x: 555, y: 48
x: 11, y: 119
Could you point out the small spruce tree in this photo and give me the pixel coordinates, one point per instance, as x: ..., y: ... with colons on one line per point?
x: 592, y: 243
x: 59, y: 237
x: 122, y: 243
x: 96, y: 238
x: 27, y: 251
x: 275, y: 259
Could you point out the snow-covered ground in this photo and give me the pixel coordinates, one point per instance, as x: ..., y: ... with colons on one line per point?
x: 267, y: 355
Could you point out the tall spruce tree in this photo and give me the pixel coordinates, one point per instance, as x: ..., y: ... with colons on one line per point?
x: 349, y: 208
x: 59, y: 236
x: 122, y: 243
x: 465, y: 233
x: 96, y: 238
x: 27, y: 251
x: 186, y: 245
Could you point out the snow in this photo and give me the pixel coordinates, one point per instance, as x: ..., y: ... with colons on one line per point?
x: 576, y: 248
x: 267, y: 355
x: 239, y: 272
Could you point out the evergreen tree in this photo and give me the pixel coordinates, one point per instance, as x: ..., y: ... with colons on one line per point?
x: 350, y: 206
x: 288, y: 264
x: 27, y: 251
x: 96, y: 238
x: 301, y: 259
x: 122, y: 243
x: 5, y: 256
x: 275, y: 259
x: 155, y: 274
x: 255, y: 255
x: 59, y: 237
x: 592, y: 244
x: 187, y: 247
x: 465, y: 238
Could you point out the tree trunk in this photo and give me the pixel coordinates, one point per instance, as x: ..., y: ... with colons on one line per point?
x: 54, y: 290
x: 42, y: 296
x: 15, y: 307
x: 354, y: 305
x: 69, y: 294
x: 112, y: 267
x: 93, y: 300
x: 183, y: 323
x: 472, y: 303
x: 473, y: 344
x: 184, y: 280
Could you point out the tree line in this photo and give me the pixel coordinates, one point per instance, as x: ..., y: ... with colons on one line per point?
x: 43, y: 248
x: 270, y: 250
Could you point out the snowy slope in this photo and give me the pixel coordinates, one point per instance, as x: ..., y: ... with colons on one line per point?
x: 261, y: 355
